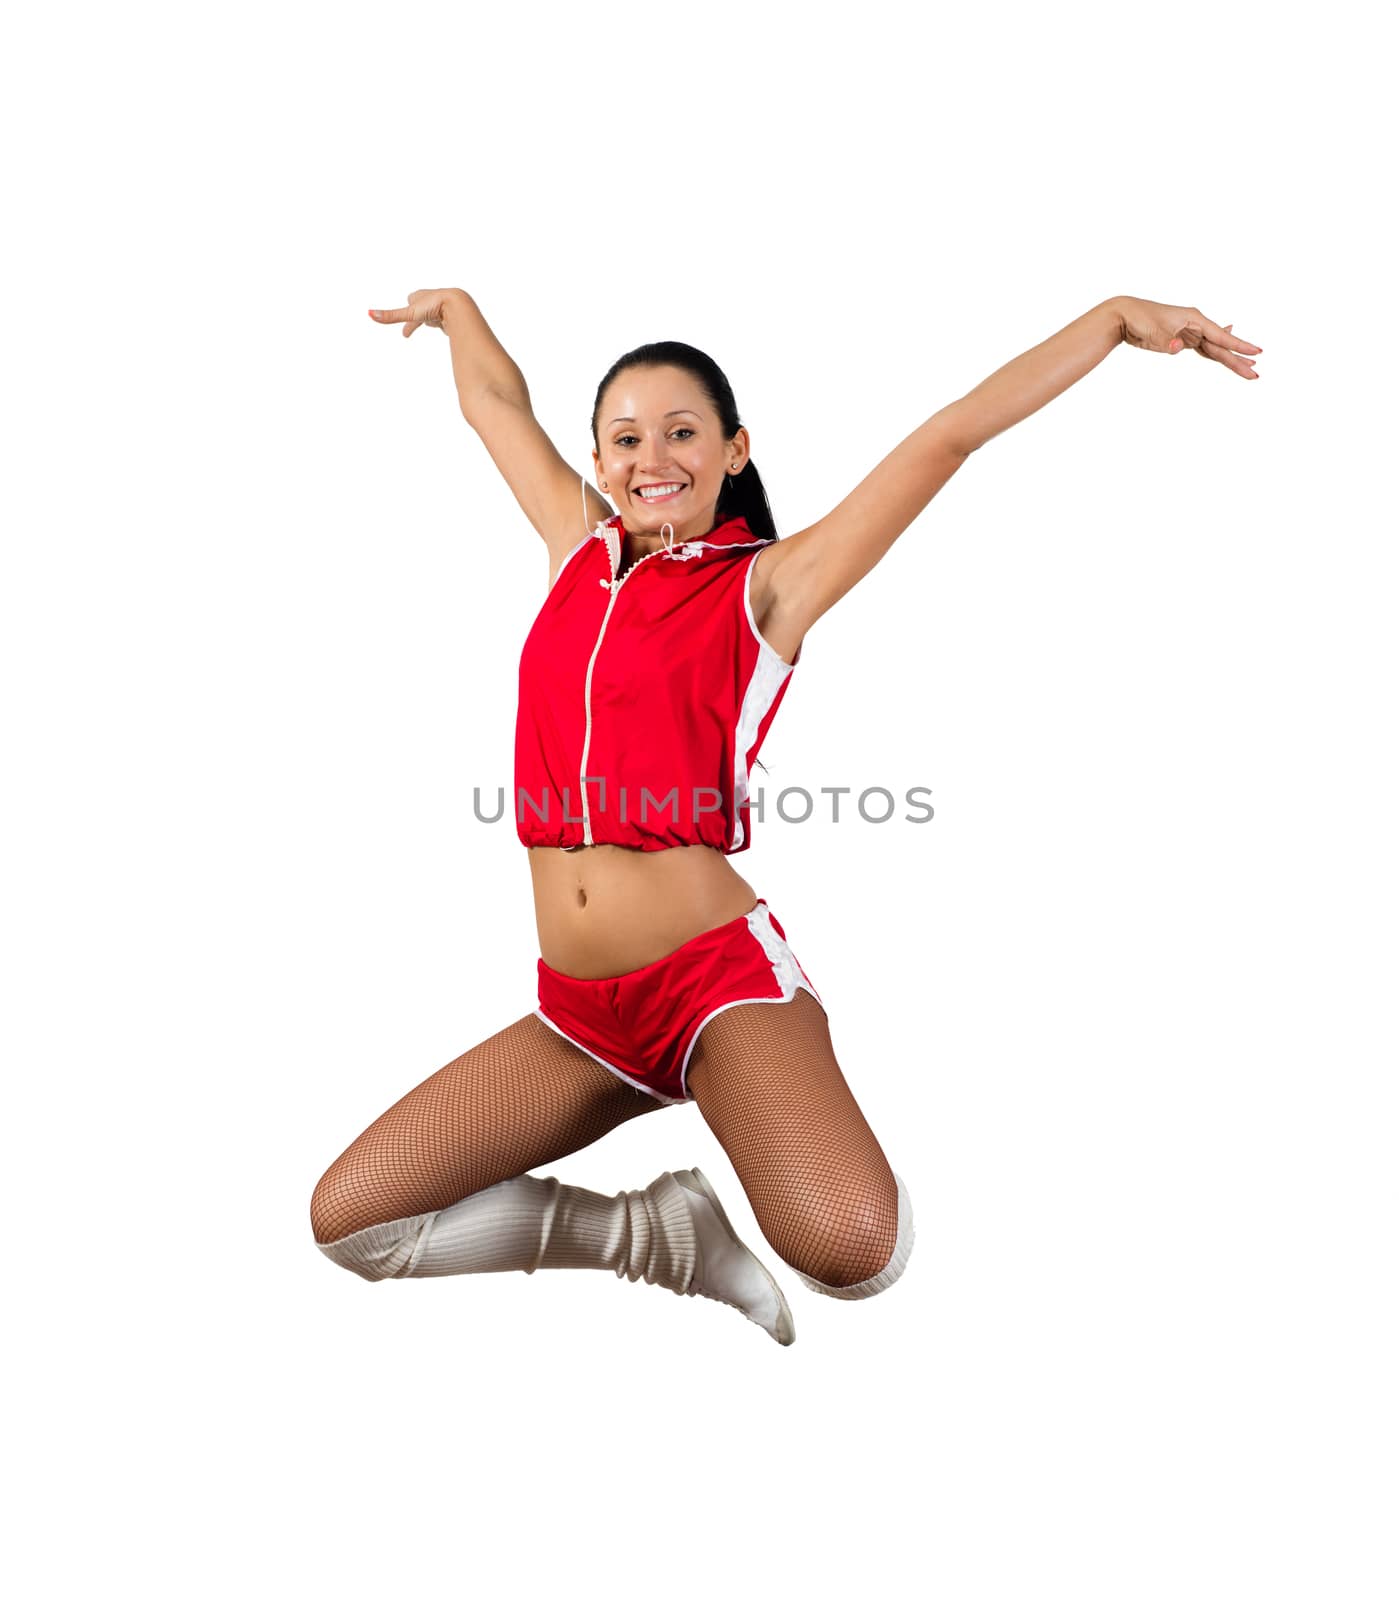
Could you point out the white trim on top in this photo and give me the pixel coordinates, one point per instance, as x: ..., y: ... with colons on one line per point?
x: 770, y: 673
x: 591, y: 534
x: 569, y: 557
x: 748, y: 612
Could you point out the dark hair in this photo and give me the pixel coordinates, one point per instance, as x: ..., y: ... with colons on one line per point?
x: 742, y: 494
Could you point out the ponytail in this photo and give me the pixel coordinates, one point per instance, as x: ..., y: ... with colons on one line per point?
x: 743, y: 496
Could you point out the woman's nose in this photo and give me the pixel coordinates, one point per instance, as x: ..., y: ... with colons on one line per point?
x: 655, y: 455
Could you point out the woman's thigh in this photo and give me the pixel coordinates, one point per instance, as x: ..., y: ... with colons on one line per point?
x: 517, y: 1100
x: 766, y: 1080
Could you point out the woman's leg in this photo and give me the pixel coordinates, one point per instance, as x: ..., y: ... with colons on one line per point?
x: 518, y: 1100
x: 767, y: 1082
x: 439, y: 1185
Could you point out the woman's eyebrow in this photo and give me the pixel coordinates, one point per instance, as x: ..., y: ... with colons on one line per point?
x: 668, y: 413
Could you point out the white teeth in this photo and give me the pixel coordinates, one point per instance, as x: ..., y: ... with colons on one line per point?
x: 660, y: 491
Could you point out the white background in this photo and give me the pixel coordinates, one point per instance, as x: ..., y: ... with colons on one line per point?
x: 1121, y: 1015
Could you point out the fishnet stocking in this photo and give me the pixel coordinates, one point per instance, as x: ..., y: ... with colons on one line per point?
x: 768, y: 1084
x: 515, y: 1101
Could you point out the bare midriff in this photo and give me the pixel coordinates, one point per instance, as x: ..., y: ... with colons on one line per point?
x: 604, y: 910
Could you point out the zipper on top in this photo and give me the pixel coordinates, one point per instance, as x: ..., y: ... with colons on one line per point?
x: 615, y: 585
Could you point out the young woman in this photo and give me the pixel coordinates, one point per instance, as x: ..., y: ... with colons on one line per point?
x: 647, y: 686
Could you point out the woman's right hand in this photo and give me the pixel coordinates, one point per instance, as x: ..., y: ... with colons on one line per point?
x: 1149, y: 325
x: 424, y: 309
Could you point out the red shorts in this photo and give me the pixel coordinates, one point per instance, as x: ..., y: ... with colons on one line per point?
x: 643, y: 1025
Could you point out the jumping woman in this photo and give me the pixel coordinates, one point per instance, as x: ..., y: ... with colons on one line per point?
x: 647, y: 686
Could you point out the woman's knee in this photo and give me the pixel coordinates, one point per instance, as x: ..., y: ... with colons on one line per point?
x: 351, y: 1229
x: 381, y: 1250
x: 343, y: 1202
x: 852, y: 1249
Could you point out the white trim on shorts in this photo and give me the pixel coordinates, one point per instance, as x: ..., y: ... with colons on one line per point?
x: 626, y: 1077
x: 785, y: 970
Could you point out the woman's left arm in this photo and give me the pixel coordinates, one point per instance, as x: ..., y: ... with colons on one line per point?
x: 807, y: 572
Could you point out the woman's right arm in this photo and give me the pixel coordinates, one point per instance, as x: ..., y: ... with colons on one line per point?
x: 495, y: 401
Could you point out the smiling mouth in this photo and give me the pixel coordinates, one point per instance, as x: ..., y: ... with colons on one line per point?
x: 671, y: 490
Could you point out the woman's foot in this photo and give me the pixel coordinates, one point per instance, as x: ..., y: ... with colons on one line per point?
x: 726, y: 1269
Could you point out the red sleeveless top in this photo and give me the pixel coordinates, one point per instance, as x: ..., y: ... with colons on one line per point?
x: 645, y: 696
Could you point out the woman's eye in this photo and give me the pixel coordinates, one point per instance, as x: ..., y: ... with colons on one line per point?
x: 630, y: 438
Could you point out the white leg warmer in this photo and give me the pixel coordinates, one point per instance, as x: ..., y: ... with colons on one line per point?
x: 524, y: 1223
x: 903, y: 1248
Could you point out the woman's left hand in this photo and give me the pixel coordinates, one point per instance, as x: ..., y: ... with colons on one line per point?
x: 1171, y: 329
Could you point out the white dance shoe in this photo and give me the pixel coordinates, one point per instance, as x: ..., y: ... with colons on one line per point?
x: 726, y: 1269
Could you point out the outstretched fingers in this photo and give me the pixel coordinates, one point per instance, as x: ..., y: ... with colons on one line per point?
x: 1223, y: 345
x: 424, y: 309
x: 1226, y: 349
x: 1227, y: 338
x: 404, y: 314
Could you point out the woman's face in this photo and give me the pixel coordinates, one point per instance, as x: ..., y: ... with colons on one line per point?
x: 657, y: 429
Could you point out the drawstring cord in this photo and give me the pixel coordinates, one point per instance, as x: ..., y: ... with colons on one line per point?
x: 668, y: 550
x: 684, y: 551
